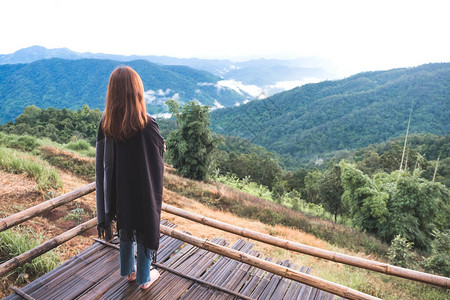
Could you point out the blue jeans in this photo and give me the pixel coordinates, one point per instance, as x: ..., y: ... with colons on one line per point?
x: 127, y: 261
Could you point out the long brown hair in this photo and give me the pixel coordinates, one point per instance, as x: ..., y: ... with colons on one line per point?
x: 125, y: 112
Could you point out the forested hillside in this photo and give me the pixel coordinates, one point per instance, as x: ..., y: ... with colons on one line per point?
x: 71, y: 84
x: 305, y: 123
x: 265, y: 73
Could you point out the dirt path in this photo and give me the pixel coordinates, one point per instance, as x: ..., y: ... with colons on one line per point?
x: 17, y: 192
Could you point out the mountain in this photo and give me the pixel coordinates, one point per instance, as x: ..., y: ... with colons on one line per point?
x: 72, y: 83
x: 268, y: 75
x: 308, y: 122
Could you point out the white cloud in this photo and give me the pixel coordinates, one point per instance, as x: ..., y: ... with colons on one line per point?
x: 159, y: 96
x: 287, y: 85
x: 229, y: 84
x: 282, y: 86
x: 318, y: 161
x: 160, y: 92
x: 204, y: 83
x: 217, y: 105
x: 240, y: 88
x: 149, y: 96
x: 163, y: 115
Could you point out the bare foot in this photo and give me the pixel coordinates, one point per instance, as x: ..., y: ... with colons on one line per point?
x: 132, y: 276
x: 154, y: 275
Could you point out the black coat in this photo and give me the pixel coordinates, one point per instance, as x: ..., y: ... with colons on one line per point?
x: 129, y: 183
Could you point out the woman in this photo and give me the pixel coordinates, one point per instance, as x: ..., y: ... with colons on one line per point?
x: 129, y: 174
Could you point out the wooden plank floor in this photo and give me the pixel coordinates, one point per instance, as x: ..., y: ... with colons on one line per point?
x: 94, y: 274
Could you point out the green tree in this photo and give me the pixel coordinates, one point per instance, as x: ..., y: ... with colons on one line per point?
x: 312, y: 186
x: 370, y: 163
x: 390, y: 205
x: 366, y: 203
x: 331, y: 191
x: 174, y: 109
x: 278, y: 192
x: 296, y: 180
x: 60, y: 125
x: 191, y: 146
x: 262, y: 168
x: 417, y: 207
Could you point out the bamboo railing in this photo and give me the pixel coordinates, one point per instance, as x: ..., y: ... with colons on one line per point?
x: 36, y: 210
x: 48, y: 205
x: 45, y: 247
x: 337, y: 289
x: 285, y: 272
x: 313, y: 251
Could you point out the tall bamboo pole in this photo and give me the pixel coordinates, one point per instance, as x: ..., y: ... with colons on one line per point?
x: 313, y: 251
x: 48, y: 205
x: 406, y: 138
x: 45, y: 247
x: 285, y: 272
x: 436, y: 167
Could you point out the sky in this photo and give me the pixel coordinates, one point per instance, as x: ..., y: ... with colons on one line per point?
x: 355, y: 35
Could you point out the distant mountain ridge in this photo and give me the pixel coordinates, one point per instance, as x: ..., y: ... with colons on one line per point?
x: 307, y: 122
x: 269, y: 75
x: 65, y: 83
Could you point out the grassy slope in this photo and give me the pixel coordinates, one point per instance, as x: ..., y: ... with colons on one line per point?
x: 219, y: 201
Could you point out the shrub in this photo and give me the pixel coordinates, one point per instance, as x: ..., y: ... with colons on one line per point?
x: 278, y: 192
x: 14, y: 242
x: 25, y: 143
x: 400, y: 253
x: 79, y: 145
x: 439, y: 261
x: 76, y: 215
x: 62, y: 159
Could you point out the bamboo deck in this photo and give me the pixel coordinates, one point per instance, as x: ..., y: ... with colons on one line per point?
x: 94, y: 274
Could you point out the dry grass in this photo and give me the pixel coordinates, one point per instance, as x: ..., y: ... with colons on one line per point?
x: 18, y: 192
x: 80, y: 166
x: 226, y: 198
x: 207, y: 232
x: 66, y: 153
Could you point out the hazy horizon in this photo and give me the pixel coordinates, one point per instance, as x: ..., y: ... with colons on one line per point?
x: 353, y: 35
